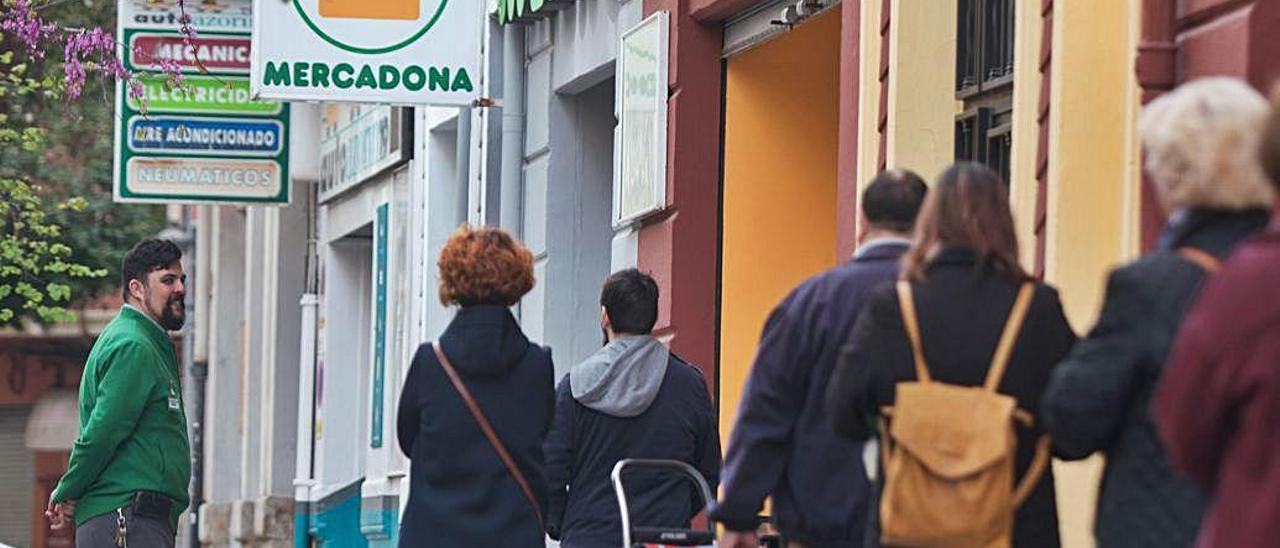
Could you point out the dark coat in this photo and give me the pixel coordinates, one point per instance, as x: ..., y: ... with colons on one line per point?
x: 962, y: 310
x: 1218, y: 405
x: 585, y: 444
x: 782, y: 443
x: 460, y: 493
x: 1099, y: 397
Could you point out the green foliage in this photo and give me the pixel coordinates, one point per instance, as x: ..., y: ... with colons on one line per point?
x: 61, y: 236
x: 36, y: 268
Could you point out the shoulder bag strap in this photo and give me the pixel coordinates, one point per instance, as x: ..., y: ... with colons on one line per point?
x: 907, y: 302
x: 488, y: 430
x: 1010, y: 336
x: 1200, y: 258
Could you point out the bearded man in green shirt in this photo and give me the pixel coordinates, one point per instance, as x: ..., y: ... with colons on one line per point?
x: 126, y: 483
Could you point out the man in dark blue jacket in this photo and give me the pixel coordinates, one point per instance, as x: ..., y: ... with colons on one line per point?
x: 782, y: 444
x: 632, y: 399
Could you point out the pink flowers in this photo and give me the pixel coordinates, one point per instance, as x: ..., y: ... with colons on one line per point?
x: 95, y: 47
x: 86, y: 50
x: 171, y: 69
x: 184, y: 26
x: 21, y: 21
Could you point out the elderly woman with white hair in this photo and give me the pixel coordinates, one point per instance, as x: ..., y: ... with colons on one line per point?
x: 1201, y: 143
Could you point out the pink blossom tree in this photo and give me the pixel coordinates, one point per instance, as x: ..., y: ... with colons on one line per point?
x: 57, y: 226
x: 83, y: 49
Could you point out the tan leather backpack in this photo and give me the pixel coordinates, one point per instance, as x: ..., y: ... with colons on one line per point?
x: 949, y: 451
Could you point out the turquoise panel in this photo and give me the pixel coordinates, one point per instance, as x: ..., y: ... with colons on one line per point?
x: 332, y: 522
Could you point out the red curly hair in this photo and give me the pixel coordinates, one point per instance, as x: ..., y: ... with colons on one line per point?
x: 484, y: 265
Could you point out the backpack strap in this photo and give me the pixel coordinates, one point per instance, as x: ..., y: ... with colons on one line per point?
x: 1012, y: 327
x: 1200, y: 258
x: 1039, y: 463
x: 907, y: 302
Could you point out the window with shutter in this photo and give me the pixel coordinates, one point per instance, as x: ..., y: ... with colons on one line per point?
x: 984, y: 82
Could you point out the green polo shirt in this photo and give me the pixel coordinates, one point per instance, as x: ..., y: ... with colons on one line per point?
x: 133, y: 424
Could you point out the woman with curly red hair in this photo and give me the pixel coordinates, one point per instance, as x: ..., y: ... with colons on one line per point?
x: 477, y: 405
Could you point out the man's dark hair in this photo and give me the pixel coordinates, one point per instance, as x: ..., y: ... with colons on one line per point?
x: 146, y: 257
x: 630, y: 298
x: 892, y: 200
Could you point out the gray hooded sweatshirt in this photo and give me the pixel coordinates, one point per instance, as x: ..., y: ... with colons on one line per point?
x: 622, y: 379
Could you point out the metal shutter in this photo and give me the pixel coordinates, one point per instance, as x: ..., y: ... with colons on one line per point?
x: 764, y: 21
x: 17, y: 472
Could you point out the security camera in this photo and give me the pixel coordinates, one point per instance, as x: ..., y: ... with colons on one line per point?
x: 809, y: 7
x: 790, y: 15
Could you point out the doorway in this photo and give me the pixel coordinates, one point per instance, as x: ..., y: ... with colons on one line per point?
x: 778, y: 215
x: 579, y: 206
x: 344, y: 368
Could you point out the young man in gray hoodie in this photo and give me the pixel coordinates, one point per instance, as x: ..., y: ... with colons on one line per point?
x: 631, y: 399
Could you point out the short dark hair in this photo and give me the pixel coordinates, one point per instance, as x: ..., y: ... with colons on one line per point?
x: 893, y: 199
x: 630, y: 298
x: 144, y: 258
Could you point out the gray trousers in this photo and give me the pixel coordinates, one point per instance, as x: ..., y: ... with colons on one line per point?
x: 101, y: 532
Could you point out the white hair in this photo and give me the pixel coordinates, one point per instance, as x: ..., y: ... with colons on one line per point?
x: 1202, y: 144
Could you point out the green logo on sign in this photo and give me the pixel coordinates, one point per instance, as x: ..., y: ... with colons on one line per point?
x: 509, y: 10
x: 384, y: 77
x: 202, y: 95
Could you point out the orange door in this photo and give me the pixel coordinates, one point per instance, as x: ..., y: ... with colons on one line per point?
x: 779, y: 212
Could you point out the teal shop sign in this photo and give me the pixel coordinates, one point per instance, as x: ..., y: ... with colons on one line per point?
x: 379, y: 322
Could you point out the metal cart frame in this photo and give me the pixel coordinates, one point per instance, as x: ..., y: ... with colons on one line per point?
x: 675, y: 536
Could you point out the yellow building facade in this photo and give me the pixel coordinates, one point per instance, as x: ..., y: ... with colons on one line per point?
x: 816, y: 97
x: 1083, y: 220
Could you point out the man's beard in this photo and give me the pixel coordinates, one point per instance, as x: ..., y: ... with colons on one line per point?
x: 170, y: 320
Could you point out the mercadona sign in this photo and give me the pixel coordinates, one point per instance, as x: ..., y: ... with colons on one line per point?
x: 206, y: 140
x: 400, y: 52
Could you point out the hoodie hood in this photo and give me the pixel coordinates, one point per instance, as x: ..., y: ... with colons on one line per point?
x: 622, y: 379
x: 484, y: 341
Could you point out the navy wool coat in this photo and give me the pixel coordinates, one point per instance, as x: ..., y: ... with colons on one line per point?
x: 460, y: 493
x: 783, y: 444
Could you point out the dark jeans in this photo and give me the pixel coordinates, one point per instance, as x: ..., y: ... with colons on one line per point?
x: 142, y: 532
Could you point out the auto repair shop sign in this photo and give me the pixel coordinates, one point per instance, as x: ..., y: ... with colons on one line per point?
x: 380, y: 51
x: 206, y: 140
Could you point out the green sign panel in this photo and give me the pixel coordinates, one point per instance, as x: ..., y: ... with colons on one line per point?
x: 525, y: 10
x: 201, y: 94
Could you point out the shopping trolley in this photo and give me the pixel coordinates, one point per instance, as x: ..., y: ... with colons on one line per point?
x: 637, y: 536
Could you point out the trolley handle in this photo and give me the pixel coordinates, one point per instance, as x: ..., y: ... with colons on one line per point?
x: 628, y: 531
x: 672, y: 537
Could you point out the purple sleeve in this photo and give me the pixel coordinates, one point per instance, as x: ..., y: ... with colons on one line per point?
x: 1192, y: 406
